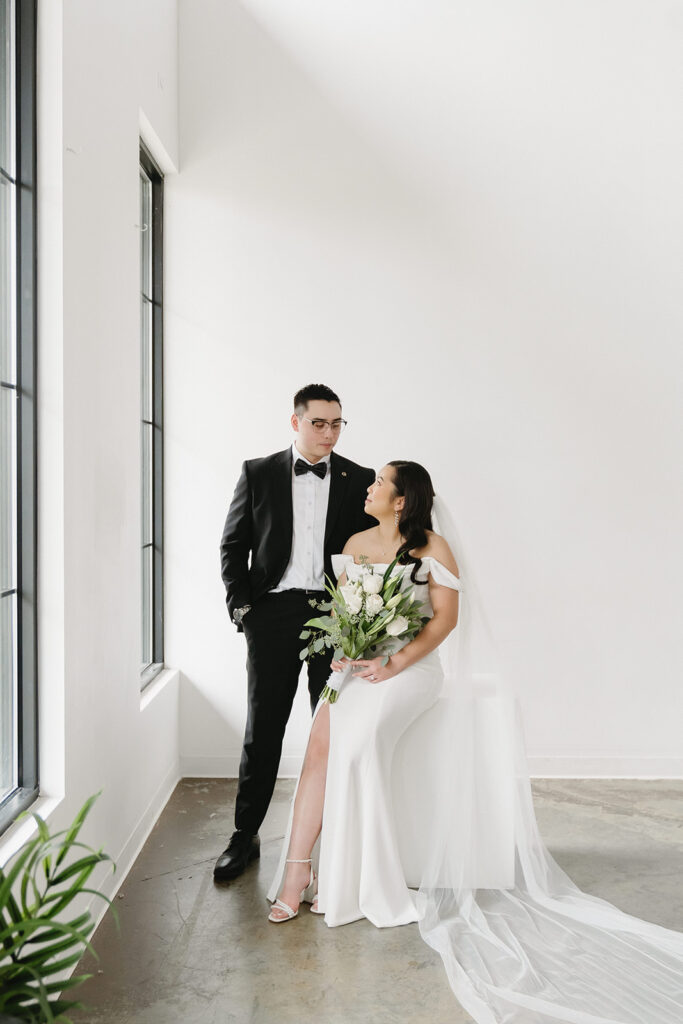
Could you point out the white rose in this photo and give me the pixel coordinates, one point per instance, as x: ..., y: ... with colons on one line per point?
x: 397, y: 626
x: 373, y: 605
x: 352, y: 598
x: 372, y: 584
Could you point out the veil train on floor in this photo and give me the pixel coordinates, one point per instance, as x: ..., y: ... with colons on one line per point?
x: 521, y: 943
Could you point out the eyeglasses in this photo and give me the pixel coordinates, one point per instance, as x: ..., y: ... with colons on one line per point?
x: 319, y: 425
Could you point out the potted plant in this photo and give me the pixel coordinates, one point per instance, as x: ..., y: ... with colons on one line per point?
x: 37, y: 886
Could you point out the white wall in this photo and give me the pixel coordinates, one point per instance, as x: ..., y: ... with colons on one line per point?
x: 467, y: 218
x: 100, y: 66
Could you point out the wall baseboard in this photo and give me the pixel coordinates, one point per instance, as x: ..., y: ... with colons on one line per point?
x: 228, y: 767
x: 127, y: 855
x: 606, y: 767
x: 539, y: 767
x: 137, y: 839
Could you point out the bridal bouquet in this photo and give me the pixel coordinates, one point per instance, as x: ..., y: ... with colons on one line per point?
x: 367, y: 617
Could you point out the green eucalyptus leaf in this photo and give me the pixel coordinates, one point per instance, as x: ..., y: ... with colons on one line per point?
x: 321, y: 622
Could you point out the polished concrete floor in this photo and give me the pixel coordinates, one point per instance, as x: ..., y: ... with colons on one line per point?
x: 193, y: 952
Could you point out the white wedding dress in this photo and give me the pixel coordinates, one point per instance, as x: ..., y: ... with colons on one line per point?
x: 428, y: 818
x: 368, y: 853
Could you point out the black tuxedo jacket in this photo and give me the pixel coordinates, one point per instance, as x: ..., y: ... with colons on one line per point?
x: 260, y: 523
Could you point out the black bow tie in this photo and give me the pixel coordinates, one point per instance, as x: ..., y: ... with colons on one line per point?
x: 320, y: 468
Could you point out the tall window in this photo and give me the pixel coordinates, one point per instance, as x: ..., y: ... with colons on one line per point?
x: 151, y: 271
x: 18, y: 713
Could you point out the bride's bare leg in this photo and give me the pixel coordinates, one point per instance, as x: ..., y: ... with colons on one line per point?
x: 308, y: 810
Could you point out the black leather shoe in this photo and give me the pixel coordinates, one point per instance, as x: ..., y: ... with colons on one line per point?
x: 241, y: 850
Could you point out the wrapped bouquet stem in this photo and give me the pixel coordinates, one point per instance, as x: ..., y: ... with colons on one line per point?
x: 370, y: 616
x: 334, y: 684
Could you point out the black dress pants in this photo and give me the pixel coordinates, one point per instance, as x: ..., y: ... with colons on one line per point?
x: 272, y: 630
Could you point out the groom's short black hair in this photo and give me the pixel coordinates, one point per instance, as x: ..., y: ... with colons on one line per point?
x: 312, y: 393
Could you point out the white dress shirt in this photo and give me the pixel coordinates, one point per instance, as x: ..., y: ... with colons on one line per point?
x: 310, y: 496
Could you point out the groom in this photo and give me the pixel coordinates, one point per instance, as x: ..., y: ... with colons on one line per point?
x: 289, y: 514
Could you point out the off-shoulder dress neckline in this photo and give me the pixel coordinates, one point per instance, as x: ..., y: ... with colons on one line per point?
x: 350, y: 560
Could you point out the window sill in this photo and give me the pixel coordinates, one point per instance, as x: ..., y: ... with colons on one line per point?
x: 159, y: 682
x: 21, y: 831
x: 148, y: 675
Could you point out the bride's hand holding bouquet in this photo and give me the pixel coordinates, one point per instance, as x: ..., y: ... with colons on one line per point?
x: 367, y: 616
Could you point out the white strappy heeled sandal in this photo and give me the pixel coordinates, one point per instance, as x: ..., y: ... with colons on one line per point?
x: 281, y: 905
x: 314, y: 906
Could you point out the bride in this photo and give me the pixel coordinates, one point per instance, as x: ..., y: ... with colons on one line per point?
x: 414, y: 805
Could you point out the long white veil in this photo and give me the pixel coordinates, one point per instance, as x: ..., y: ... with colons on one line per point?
x: 520, y: 942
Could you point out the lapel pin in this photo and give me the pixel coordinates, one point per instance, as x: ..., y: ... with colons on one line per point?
x: 343, y: 472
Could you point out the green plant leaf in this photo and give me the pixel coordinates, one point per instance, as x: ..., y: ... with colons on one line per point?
x: 7, y: 880
x: 55, y: 902
x: 63, y: 899
x: 36, y: 948
x: 390, y: 568
x: 43, y: 830
x: 38, y: 994
x: 53, y: 933
x: 7, y: 900
x: 75, y: 828
x: 57, y: 966
x: 79, y: 934
x: 53, y: 948
x: 60, y: 1006
x: 88, y: 864
x: 63, y: 986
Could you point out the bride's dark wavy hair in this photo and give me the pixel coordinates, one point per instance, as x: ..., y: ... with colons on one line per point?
x: 413, y: 482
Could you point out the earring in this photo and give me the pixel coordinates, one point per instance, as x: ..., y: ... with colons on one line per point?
x: 397, y: 517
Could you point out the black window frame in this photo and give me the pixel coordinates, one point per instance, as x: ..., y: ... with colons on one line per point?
x: 26, y: 278
x: 151, y: 670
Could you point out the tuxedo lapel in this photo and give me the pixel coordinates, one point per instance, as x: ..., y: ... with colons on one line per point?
x: 282, y: 493
x: 338, y: 488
